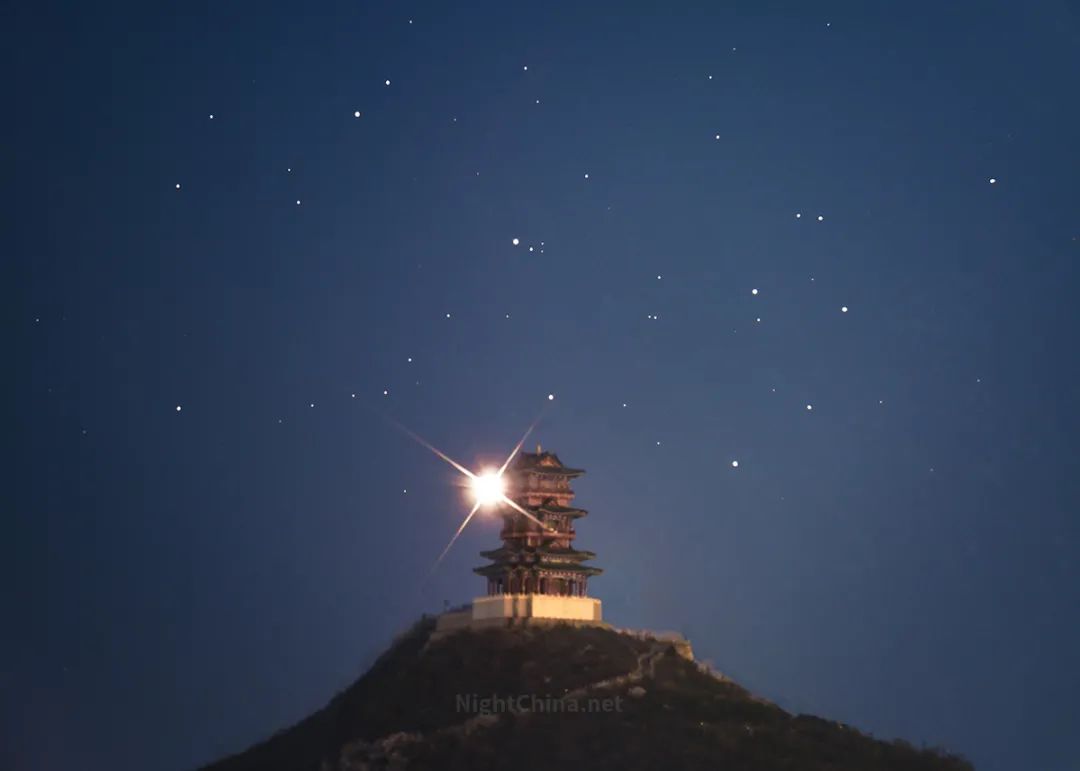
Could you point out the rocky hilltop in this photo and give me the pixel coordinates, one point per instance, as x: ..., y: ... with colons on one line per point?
x: 549, y: 697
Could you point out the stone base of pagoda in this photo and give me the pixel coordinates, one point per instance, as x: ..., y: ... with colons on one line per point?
x: 499, y: 607
x: 517, y: 610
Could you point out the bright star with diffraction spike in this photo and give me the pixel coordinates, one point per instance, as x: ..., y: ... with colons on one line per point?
x: 488, y: 487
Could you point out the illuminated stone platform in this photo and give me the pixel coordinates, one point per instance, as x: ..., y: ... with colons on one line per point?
x: 521, y: 610
x: 551, y: 606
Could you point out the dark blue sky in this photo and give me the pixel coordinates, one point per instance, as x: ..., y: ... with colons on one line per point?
x: 901, y: 557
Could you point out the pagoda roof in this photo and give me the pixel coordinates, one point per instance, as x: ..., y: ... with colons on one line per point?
x: 539, y: 551
x: 554, y: 508
x: 541, y: 462
x: 547, y: 508
x: 588, y: 570
x: 499, y: 569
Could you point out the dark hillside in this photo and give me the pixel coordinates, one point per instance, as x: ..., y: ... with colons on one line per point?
x: 592, y: 698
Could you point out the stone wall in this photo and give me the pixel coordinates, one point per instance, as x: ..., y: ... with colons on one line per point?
x: 453, y: 620
x: 680, y: 643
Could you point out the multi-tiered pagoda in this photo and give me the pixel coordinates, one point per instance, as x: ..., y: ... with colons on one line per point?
x: 537, y: 572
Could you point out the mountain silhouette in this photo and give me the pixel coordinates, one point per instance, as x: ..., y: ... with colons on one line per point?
x: 562, y: 696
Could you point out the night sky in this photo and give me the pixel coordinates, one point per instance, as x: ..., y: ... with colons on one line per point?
x: 836, y: 245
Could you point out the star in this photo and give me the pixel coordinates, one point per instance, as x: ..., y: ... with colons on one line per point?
x: 177, y: 185
x: 798, y: 215
x: 993, y: 180
x: 551, y: 397
x: 356, y: 114
x: 488, y: 486
x: 809, y: 407
x: 734, y: 464
x: 586, y: 176
x: 178, y: 408
x: 843, y: 309
x: 388, y: 81
x: 753, y: 291
x: 820, y: 218
x: 515, y: 242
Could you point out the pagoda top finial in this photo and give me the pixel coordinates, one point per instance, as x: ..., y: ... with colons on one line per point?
x: 543, y: 462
